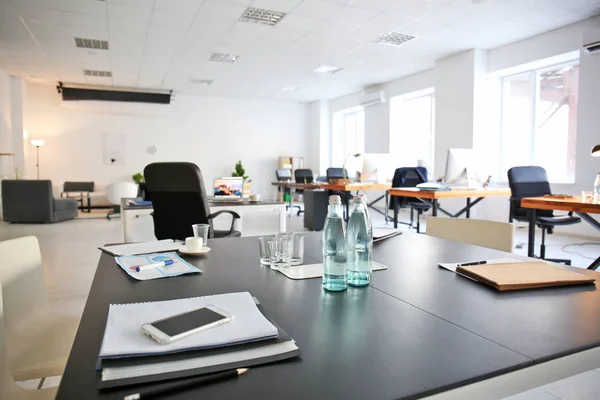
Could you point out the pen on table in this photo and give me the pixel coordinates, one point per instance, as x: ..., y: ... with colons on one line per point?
x: 188, y: 383
x: 472, y: 263
x: 139, y: 268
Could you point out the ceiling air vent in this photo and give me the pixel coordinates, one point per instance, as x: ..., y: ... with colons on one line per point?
x: 91, y: 43
x: 394, y: 39
x: 260, y: 16
x: 224, y: 58
x: 100, y: 74
x: 202, y: 82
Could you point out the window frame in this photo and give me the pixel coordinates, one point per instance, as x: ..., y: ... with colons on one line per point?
x: 339, y: 119
x: 536, y: 73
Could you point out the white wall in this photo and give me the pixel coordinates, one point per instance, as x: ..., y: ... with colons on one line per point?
x: 5, y: 113
x: 212, y: 132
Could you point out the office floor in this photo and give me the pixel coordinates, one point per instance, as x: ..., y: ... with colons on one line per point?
x: 68, y: 278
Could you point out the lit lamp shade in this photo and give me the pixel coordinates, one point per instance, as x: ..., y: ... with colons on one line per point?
x: 596, y: 150
x: 37, y: 142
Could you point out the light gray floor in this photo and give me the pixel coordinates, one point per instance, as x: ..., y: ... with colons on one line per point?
x: 70, y: 256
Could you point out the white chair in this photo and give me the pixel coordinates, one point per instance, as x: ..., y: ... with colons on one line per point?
x: 38, y: 342
x: 8, y: 388
x: 117, y: 191
x: 492, y: 234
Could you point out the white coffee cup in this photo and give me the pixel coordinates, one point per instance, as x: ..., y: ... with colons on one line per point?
x: 255, y: 197
x: 194, y: 244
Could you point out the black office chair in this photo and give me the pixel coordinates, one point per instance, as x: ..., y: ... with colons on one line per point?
x: 302, y: 176
x: 532, y: 181
x: 336, y: 173
x: 286, y: 175
x: 409, y: 177
x: 179, y: 199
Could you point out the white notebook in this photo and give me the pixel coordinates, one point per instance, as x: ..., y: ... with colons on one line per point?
x: 132, y: 249
x: 122, y: 336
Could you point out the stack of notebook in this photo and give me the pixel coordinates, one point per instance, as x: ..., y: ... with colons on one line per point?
x: 127, y: 357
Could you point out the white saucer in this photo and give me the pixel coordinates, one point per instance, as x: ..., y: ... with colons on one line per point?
x: 184, y: 250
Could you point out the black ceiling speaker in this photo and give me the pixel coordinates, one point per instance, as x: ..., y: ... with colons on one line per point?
x: 128, y: 96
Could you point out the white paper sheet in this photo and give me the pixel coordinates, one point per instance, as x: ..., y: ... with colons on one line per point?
x: 122, y: 335
x: 310, y: 271
x: 179, y: 266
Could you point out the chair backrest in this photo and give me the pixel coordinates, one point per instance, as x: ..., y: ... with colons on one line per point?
x: 120, y: 190
x: 283, y: 174
x: 22, y: 279
x: 336, y: 173
x: 529, y: 181
x: 178, y: 196
x: 407, y: 177
x: 78, y: 187
x: 303, y: 176
x: 491, y: 234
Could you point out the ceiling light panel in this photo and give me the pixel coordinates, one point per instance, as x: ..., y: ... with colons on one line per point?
x: 394, y: 39
x: 289, y: 88
x: 223, y: 58
x: 260, y: 16
x: 98, y: 73
x: 91, y: 44
x: 327, y: 69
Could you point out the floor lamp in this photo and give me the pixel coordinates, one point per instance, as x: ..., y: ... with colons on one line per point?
x: 37, y: 143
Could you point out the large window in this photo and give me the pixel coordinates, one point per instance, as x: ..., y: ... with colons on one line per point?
x: 539, y: 120
x: 412, y: 129
x: 348, y: 138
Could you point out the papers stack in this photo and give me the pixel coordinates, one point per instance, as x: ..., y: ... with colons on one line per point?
x: 128, y: 357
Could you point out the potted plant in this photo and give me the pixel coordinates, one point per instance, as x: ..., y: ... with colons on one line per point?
x: 239, y: 171
x: 138, y: 178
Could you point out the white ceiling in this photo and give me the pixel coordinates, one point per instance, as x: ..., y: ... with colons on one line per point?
x: 166, y: 43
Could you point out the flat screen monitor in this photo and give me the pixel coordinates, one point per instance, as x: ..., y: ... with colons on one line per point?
x: 460, y: 168
x: 377, y: 167
x: 228, y: 188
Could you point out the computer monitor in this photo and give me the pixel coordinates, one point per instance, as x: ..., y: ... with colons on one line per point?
x: 377, y: 167
x: 460, y: 170
x: 229, y: 188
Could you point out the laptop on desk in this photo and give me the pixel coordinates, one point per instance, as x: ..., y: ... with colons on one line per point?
x: 228, y: 189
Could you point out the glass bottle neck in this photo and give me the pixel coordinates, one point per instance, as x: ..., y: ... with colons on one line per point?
x: 334, y: 210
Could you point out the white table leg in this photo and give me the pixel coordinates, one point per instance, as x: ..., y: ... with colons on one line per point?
x: 125, y: 225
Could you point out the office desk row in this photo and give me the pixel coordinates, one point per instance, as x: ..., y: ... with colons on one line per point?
x: 416, y: 331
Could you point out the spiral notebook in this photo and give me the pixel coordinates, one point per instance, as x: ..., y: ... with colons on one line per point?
x: 523, y: 275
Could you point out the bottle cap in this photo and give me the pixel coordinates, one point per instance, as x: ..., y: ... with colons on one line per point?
x: 359, y: 198
x: 335, y: 199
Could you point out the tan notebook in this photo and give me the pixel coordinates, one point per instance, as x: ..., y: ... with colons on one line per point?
x: 523, y: 275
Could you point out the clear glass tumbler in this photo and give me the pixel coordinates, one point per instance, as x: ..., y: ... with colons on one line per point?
x: 281, y: 251
x: 297, y: 249
x: 201, y: 230
x: 265, y: 251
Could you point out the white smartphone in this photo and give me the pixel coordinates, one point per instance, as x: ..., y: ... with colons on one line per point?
x: 177, y: 327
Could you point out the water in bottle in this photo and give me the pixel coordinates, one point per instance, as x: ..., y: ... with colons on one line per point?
x: 597, y: 189
x: 335, y: 272
x: 359, y: 242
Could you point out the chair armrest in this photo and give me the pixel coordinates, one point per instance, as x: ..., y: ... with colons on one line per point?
x: 232, y: 213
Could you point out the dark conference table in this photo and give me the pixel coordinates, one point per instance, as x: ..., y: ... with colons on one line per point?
x: 416, y: 331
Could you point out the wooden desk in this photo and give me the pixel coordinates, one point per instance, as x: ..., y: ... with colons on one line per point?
x: 431, y: 197
x: 415, y: 331
x: 573, y: 204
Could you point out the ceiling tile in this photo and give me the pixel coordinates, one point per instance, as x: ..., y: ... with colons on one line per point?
x: 277, y: 5
x: 380, y: 5
x: 127, y: 27
x: 130, y: 13
x: 217, y: 9
x: 135, y: 3
x: 97, y: 8
x: 298, y: 22
x: 178, y: 5
x: 172, y: 17
x: 318, y: 9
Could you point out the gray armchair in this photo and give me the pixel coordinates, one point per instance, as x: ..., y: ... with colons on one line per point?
x: 32, y: 201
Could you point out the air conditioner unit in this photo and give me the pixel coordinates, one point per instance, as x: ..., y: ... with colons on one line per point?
x: 592, y: 47
x: 371, y: 99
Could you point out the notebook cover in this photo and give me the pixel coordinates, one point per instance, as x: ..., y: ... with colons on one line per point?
x: 523, y: 275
